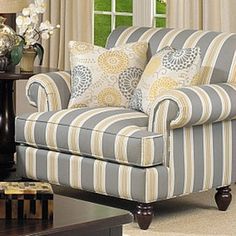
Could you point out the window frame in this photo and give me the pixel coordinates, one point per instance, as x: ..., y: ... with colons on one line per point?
x: 157, y: 15
x: 144, y: 13
x: 113, y: 13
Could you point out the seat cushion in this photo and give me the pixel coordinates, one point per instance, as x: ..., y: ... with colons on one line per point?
x: 114, y: 134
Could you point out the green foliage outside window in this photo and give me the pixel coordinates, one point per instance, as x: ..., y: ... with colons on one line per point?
x: 102, y: 23
x: 160, y: 9
x: 102, y: 28
x: 124, y: 6
x: 102, y: 5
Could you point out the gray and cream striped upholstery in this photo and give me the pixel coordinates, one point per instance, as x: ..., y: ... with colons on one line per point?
x: 114, y: 134
x: 191, y: 131
x: 199, y: 161
x: 202, y: 157
x: 217, y: 49
x: 195, y: 105
x: 49, y: 92
x: 128, y: 182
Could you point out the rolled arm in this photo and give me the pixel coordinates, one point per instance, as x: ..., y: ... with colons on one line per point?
x: 191, y: 106
x: 50, y: 91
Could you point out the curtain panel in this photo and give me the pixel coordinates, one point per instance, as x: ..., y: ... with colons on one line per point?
x: 75, y: 18
x: 218, y: 15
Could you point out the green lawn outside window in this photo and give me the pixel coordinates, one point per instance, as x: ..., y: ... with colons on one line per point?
x: 102, y: 23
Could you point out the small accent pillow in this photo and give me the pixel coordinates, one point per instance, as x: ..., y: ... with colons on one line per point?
x: 101, y: 77
x: 168, y: 69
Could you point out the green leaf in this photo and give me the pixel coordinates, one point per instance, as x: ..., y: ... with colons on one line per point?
x: 40, y: 52
x: 17, y: 53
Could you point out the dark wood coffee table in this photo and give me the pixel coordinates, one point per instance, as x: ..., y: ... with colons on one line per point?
x: 72, y: 217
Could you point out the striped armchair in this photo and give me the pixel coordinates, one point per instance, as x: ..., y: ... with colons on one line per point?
x: 187, y: 143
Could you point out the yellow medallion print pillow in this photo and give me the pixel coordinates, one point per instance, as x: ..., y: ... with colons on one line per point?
x: 168, y: 69
x: 101, y: 77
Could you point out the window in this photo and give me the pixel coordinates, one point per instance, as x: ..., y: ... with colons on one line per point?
x: 108, y: 14
x: 160, y: 13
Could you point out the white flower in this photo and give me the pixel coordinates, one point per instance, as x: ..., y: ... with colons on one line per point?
x: 27, y: 20
x: 32, y: 8
x: 40, y: 6
x: 19, y: 20
x: 23, y: 21
x: 22, y: 30
x: 24, y: 25
x: 30, y: 31
x: 29, y: 36
x: 46, y: 25
x: 26, y: 11
x: 34, y: 18
x: 40, y: 10
x: 45, y: 36
x: 28, y: 23
x: 39, y: 2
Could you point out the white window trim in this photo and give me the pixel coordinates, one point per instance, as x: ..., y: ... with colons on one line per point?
x: 155, y: 16
x: 144, y: 13
x: 113, y: 13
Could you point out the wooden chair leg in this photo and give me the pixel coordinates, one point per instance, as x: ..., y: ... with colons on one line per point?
x: 223, y: 198
x: 144, y: 214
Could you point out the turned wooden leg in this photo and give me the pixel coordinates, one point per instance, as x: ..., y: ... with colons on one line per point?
x: 223, y: 198
x: 144, y: 214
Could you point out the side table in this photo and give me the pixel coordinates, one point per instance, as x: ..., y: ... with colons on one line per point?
x: 7, y: 114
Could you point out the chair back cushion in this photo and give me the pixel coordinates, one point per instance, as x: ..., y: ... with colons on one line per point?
x: 217, y: 49
x: 168, y: 69
x: 101, y: 77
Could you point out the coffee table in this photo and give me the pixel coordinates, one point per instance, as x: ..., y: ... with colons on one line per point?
x: 72, y: 217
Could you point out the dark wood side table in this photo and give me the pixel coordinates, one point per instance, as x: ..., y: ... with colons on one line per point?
x: 7, y: 114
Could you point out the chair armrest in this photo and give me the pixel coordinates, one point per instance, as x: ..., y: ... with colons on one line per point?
x: 195, y: 105
x: 50, y: 91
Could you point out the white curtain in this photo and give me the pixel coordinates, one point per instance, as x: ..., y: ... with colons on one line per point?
x: 218, y: 15
x: 75, y: 18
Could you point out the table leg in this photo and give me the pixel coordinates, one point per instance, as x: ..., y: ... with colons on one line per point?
x: 7, y: 126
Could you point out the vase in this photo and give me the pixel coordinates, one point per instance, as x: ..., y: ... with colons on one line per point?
x: 8, y: 38
x: 27, y: 61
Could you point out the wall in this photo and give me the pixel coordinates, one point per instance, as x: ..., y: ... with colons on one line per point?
x: 22, y: 104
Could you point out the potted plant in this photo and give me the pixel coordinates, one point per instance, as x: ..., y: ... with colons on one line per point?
x: 31, y: 31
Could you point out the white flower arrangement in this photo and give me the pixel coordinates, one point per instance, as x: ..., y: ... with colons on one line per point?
x: 31, y: 30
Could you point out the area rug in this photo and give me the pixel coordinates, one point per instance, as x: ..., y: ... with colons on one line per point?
x: 192, y: 215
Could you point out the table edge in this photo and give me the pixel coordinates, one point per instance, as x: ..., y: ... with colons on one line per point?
x: 87, y: 227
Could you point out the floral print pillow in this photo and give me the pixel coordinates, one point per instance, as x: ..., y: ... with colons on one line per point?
x: 101, y: 77
x: 168, y: 69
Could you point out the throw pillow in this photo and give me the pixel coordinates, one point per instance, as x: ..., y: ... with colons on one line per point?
x: 101, y: 77
x: 168, y: 69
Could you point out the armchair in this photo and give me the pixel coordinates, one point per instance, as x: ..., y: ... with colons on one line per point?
x: 185, y: 145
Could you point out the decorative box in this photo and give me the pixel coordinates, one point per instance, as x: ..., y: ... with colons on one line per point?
x: 26, y: 200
